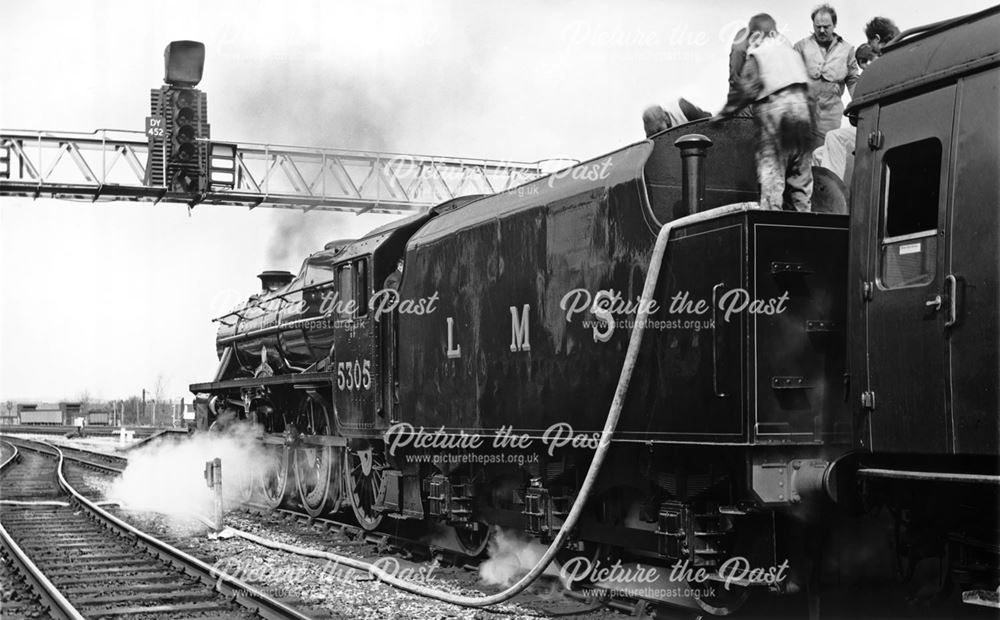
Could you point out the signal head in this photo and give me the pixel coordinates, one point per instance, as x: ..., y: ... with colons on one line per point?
x: 185, y: 153
x: 184, y: 98
x: 183, y: 63
x: 185, y: 116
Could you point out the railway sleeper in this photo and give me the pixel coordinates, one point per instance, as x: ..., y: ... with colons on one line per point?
x: 201, y: 594
x: 89, y: 593
x: 110, y: 612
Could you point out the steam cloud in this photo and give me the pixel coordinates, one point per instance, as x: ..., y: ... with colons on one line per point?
x: 511, y: 557
x: 169, y: 477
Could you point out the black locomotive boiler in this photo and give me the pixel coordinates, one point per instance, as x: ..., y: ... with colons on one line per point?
x: 456, y: 368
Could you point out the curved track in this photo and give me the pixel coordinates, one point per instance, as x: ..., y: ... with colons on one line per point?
x: 23, y: 595
x: 395, y: 539
x: 141, y: 432
x: 84, y: 561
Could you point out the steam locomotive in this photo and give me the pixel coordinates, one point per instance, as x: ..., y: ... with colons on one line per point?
x: 798, y: 372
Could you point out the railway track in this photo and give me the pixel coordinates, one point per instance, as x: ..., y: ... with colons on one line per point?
x: 388, y: 540
x: 84, y: 562
x: 141, y: 432
x: 19, y: 596
x: 95, y: 460
x: 457, y: 571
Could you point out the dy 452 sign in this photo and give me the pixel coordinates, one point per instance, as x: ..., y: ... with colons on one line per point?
x: 155, y: 126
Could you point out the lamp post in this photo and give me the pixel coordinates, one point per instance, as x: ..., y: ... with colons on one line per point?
x: 138, y: 415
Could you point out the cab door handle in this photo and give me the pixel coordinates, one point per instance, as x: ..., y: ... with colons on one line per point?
x: 934, y: 302
x: 716, y: 328
x: 951, y: 290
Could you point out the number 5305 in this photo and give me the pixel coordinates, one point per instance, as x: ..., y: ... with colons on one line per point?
x: 354, y: 375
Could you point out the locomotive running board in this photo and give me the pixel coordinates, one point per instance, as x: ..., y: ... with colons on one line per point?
x: 229, y: 384
x: 323, y: 440
x: 279, y: 439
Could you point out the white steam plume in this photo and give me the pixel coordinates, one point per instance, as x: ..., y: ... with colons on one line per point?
x: 169, y: 477
x: 511, y: 557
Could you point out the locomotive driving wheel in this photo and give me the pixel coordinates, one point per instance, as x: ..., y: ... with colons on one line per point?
x: 273, y: 476
x: 363, y: 475
x: 714, y: 598
x: 248, y: 484
x: 317, y: 468
x: 474, y: 541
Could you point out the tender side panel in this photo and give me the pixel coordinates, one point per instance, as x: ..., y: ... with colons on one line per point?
x: 502, y: 273
x: 693, y: 371
x: 800, y: 352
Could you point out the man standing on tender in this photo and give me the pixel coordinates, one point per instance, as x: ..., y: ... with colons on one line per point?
x: 773, y: 79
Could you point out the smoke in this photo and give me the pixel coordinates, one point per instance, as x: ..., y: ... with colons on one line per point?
x: 318, y: 107
x: 511, y: 557
x: 169, y: 477
x: 359, y: 98
x: 335, y: 110
x: 296, y: 235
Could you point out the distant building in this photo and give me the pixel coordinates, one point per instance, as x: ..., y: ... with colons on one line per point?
x: 64, y: 413
x: 39, y: 413
x: 100, y: 416
x: 72, y: 411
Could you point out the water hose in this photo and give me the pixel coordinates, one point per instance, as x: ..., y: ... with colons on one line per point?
x: 631, y: 355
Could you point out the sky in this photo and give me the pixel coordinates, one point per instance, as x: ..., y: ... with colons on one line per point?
x: 104, y: 299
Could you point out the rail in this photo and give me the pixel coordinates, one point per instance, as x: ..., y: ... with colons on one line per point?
x: 10, y: 459
x: 49, y: 594
x: 242, y: 593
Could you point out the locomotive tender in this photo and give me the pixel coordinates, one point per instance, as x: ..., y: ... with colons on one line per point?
x: 797, y: 369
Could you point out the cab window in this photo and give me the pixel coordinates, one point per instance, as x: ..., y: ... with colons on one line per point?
x: 345, y: 282
x: 352, y: 279
x: 911, y: 178
x: 316, y: 274
x: 361, y: 285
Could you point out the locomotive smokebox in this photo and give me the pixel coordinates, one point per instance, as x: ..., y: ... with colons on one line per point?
x: 273, y: 280
x: 693, y: 148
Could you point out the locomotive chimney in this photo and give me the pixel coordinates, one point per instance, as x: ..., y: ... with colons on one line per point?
x: 273, y: 280
x: 693, y: 147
